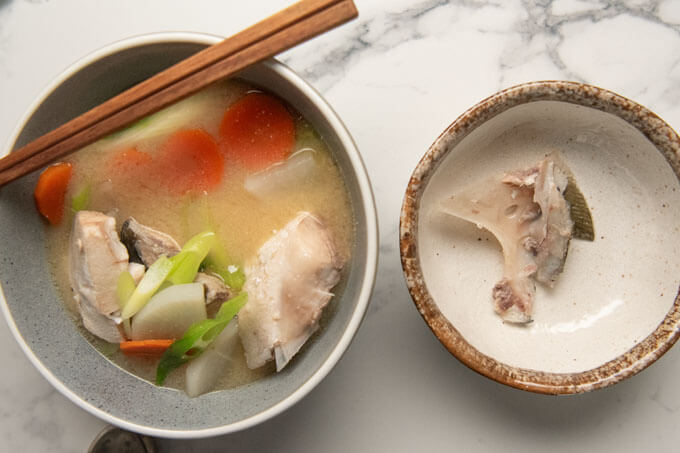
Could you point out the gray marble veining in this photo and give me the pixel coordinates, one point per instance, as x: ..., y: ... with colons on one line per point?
x: 398, y: 75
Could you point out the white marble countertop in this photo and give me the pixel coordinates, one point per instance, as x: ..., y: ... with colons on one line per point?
x: 398, y: 76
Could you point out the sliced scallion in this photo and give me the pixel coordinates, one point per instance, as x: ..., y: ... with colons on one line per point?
x: 187, y: 262
x: 125, y: 288
x: 81, y: 200
x: 152, y: 280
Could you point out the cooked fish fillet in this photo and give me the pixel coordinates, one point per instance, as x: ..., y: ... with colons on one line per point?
x: 288, y: 286
x: 146, y: 243
x: 215, y: 289
x: 99, y: 325
x: 528, y: 214
x: 508, y: 212
x: 556, y: 223
x: 97, y: 259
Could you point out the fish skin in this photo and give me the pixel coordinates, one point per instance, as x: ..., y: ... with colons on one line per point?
x: 580, y: 212
x: 146, y: 243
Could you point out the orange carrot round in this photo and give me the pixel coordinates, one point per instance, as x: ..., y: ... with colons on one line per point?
x: 145, y: 348
x: 131, y: 169
x: 191, y: 160
x: 50, y: 191
x: 257, y: 131
x: 131, y: 160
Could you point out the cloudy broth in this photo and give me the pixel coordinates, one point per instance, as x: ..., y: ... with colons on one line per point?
x: 242, y: 221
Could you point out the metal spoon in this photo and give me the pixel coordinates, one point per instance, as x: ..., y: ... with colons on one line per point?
x: 116, y: 440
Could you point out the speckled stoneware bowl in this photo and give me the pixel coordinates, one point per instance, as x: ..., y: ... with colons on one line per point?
x: 49, y: 337
x: 615, y: 309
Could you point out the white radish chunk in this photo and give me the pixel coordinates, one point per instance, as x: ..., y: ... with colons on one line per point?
x: 294, y: 170
x: 170, y: 312
x: 205, y: 370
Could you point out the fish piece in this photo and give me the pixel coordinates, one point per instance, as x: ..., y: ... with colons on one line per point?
x: 97, y: 258
x: 579, y: 212
x: 288, y: 285
x: 578, y: 206
x: 136, y: 270
x: 146, y: 244
x: 215, y: 288
x: 528, y: 214
x: 555, y: 221
x: 99, y: 325
x: 508, y: 212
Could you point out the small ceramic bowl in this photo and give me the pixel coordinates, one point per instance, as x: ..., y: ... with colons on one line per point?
x: 48, y: 336
x: 615, y: 309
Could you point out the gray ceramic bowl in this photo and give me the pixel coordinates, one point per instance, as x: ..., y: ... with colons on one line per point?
x: 48, y: 336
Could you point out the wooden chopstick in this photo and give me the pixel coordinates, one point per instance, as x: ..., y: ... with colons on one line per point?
x: 171, y: 75
x: 293, y: 25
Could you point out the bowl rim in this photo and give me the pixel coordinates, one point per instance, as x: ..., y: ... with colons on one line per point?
x: 367, y: 206
x: 644, y: 353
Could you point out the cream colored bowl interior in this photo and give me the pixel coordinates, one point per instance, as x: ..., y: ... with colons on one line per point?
x: 614, y: 291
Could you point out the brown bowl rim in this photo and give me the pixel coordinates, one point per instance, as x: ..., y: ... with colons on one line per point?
x: 646, y: 352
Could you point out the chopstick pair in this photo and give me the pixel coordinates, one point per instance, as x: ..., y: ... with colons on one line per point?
x: 281, y: 31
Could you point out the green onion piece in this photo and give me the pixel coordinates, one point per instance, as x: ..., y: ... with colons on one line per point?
x: 197, y: 211
x: 181, y: 268
x: 201, y: 243
x: 187, y: 262
x: 186, y: 272
x: 233, y: 276
x: 218, y: 262
x: 198, y: 337
x: 82, y: 199
x: 126, y: 286
x: 152, y: 280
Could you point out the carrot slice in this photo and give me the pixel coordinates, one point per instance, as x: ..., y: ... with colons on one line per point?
x: 131, y: 160
x: 257, y: 131
x: 191, y: 160
x: 131, y: 170
x: 145, y: 348
x: 50, y: 191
